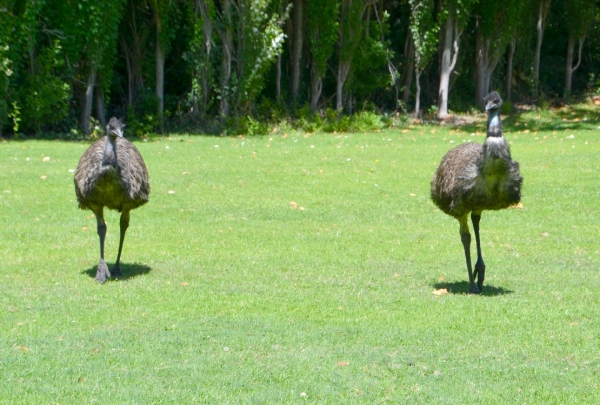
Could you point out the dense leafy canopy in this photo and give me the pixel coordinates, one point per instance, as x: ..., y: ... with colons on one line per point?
x: 211, y: 64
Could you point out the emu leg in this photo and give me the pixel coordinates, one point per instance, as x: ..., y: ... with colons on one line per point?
x: 479, y: 265
x: 124, y: 224
x: 465, y: 237
x: 102, y: 273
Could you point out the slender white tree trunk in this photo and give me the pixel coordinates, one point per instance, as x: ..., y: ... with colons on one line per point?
x: 451, y: 38
x: 89, y: 98
x: 418, y: 95
x: 570, y: 69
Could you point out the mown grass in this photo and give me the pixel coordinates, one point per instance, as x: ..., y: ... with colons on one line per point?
x: 300, y: 269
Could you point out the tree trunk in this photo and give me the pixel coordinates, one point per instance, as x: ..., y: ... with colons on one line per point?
x: 509, y: 68
x: 486, y: 63
x: 89, y: 98
x: 343, y: 69
x: 227, y: 48
x: 409, y: 54
x: 540, y: 26
x: 160, y: 82
x: 316, y: 87
x: 296, y: 47
x: 418, y: 94
x: 207, y: 31
x: 570, y: 69
x: 451, y: 37
x: 100, y: 107
x: 278, y: 79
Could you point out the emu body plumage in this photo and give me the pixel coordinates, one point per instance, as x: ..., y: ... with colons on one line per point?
x: 472, y: 178
x: 111, y: 173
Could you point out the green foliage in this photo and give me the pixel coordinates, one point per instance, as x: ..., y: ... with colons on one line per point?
x: 506, y: 107
x: 248, y: 126
x: 45, y: 96
x: 322, y: 32
x: 424, y: 31
x: 141, y: 124
x: 262, y: 42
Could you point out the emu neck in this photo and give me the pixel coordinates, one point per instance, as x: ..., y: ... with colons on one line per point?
x: 110, y: 152
x: 494, y: 124
x: 495, y: 146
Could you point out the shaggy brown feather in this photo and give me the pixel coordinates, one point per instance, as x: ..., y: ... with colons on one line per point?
x: 121, y: 186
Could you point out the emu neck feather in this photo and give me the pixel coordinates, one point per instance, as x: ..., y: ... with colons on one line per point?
x: 110, y: 155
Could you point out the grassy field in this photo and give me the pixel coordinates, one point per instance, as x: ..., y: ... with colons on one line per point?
x: 299, y: 268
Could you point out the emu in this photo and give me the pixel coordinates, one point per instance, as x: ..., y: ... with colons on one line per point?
x: 474, y: 177
x: 111, y: 173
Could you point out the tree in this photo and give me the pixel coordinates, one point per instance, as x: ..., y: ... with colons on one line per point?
x: 455, y: 13
x: 350, y: 34
x: 91, y: 36
x: 424, y: 31
x: 580, y: 16
x: 201, y: 47
x: 297, y: 40
x: 542, y: 14
x: 322, y: 28
x: 494, y: 32
x: 162, y: 10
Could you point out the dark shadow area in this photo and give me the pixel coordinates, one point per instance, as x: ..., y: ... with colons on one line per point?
x: 462, y: 287
x: 128, y: 270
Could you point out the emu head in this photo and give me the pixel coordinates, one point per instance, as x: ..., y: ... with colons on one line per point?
x: 114, y: 127
x: 492, y: 102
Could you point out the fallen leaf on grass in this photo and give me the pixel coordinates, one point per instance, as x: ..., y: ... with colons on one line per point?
x: 441, y: 291
x: 544, y: 234
x: 85, y: 228
x: 518, y: 205
x: 171, y: 192
x: 43, y: 177
x: 23, y: 348
x: 184, y: 284
x: 343, y: 363
x: 293, y: 205
x: 46, y: 159
x: 413, y: 195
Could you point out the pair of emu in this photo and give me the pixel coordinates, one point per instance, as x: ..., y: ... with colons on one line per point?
x: 470, y: 178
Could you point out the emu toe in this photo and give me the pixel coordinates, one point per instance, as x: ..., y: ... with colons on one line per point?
x: 479, y: 274
x: 103, y: 273
x: 116, y: 271
x: 473, y: 289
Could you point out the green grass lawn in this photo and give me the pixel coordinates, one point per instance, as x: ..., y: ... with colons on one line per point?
x: 296, y: 268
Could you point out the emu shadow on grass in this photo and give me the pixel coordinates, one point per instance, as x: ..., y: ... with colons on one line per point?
x: 128, y: 271
x: 464, y: 287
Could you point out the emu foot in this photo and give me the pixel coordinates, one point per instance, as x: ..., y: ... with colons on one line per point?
x: 474, y: 289
x: 479, y: 274
x: 116, y: 271
x: 103, y: 273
